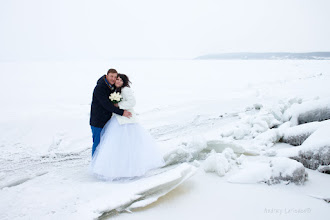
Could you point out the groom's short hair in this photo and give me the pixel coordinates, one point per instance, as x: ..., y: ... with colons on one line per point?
x: 112, y: 71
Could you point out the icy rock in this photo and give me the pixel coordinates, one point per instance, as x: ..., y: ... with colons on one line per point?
x: 319, y: 114
x: 298, y: 134
x: 315, y: 151
x: 310, y: 111
x: 295, y: 139
x: 285, y: 169
x: 313, y: 159
x: 220, y: 163
x: 257, y: 106
x: 324, y: 169
x: 270, y: 170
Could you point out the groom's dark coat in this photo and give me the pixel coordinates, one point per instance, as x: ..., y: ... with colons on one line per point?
x: 102, y: 108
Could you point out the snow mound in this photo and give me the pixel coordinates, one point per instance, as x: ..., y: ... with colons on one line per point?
x: 270, y: 171
x: 220, y: 163
x: 310, y: 111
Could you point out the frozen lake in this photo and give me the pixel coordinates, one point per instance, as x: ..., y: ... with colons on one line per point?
x: 45, y: 129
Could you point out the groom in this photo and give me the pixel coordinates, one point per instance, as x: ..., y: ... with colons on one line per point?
x: 102, y: 108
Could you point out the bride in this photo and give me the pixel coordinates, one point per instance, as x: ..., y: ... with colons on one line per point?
x: 126, y: 149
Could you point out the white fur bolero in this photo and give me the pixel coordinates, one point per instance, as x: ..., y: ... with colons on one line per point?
x: 127, y: 103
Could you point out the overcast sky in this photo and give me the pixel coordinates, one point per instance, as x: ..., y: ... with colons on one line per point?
x: 93, y: 29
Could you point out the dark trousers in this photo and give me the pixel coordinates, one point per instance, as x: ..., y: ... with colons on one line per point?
x: 96, y: 137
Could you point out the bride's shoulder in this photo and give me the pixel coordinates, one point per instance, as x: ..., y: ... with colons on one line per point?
x: 126, y: 90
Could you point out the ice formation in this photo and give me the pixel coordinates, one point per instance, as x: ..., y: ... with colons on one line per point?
x: 220, y: 163
x: 271, y: 171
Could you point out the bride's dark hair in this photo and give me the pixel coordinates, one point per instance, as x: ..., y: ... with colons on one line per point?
x: 126, y: 81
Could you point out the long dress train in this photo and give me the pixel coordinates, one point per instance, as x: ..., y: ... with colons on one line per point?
x: 125, y: 151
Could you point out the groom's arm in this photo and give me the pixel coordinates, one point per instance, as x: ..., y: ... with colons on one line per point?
x: 103, y: 98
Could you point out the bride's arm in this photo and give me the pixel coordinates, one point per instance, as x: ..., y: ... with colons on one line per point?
x: 129, y: 101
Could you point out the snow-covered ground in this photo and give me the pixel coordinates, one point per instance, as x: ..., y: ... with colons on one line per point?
x: 218, y: 124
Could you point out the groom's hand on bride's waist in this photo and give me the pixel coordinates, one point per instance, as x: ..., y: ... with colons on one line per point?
x: 127, y: 114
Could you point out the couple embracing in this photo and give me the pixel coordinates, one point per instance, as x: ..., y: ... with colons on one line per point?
x: 122, y: 148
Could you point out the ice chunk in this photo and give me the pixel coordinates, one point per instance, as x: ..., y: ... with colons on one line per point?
x: 252, y: 125
x: 177, y: 155
x: 268, y: 138
x: 221, y: 145
x: 187, y: 151
x: 155, y: 191
x: 220, y: 163
x: 150, y: 189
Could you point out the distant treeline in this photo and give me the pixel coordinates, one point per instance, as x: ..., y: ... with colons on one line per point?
x: 268, y: 56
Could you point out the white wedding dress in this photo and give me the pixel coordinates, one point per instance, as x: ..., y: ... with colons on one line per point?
x: 126, y: 149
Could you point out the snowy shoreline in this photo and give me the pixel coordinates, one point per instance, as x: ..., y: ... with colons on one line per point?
x: 213, y: 123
